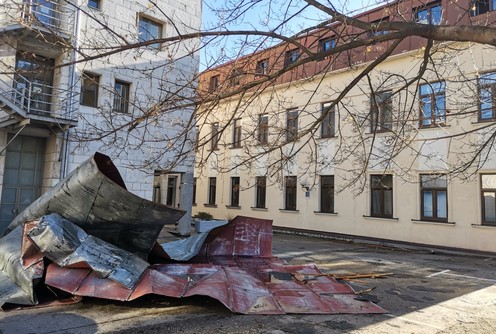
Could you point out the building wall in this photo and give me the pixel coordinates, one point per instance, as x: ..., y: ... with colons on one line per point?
x: 429, y: 150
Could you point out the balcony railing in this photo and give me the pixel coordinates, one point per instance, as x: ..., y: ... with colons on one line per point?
x: 52, y: 16
x: 34, y: 98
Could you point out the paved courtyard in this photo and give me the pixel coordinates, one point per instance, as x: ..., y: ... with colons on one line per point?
x: 429, y: 292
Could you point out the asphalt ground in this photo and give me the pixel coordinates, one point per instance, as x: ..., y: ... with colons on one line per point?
x: 429, y: 292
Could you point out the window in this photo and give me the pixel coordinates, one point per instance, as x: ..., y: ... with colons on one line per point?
x: 235, y: 191
x: 194, y: 190
x: 260, y: 191
x: 381, y: 108
x: 213, y: 84
x: 478, y: 7
x: 290, y: 193
x: 432, y: 104
x: 262, y: 67
x: 263, y: 129
x: 121, y: 96
x: 89, y: 89
x: 291, y: 57
x: 487, y: 96
x: 326, y: 44
x: 376, y: 32
x: 94, y: 4
x: 328, y: 120
x: 434, y: 197
x: 234, y: 78
x: 212, y: 188
x: 327, y: 193
x: 236, y: 143
x: 149, y: 30
x: 488, y: 201
x: 430, y: 14
x: 291, y: 124
x: 381, y: 196
x: 215, y: 137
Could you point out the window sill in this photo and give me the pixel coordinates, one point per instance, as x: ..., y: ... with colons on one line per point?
x: 431, y: 222
x: 289, y: 211
x: 381, y: 218
x: 259, y: 209
x: 479, y: 121
x: 489, y: 226
x: 320, y: 213
x: 327, y: 137
x: 237, y: 207
x: 435, y: 126
x: 209, y: 205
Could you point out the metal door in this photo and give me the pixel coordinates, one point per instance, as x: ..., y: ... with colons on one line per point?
x: 22, y: 176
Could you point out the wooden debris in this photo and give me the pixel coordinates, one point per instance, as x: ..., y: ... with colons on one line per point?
x: 306, y: 277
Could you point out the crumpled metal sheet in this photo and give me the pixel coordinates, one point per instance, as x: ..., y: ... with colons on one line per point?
x: 236, y: 267
x: 67, y: 245
x: 16, y: 280
x: 95, y: 198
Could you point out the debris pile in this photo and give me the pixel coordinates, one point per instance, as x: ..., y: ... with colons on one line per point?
x: 88, y: 236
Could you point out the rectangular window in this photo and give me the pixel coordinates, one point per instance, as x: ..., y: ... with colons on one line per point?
x: 263, y: 129
x: 292, y: 56
x: 478, y: 7
x: 487, y: 96
x: 236, y: 143
x: 121, y: 96
x: 291, y: 124
x: 214, y: 140
x: 94, y: 4
x: 434, y: 197
x: 488, y: 201
x: 381, y: 109
x: 327, y: 193
x: 429, y: 14
x: 213, y: 84
x: 328, y: 120
x: 149, y: 30
x: 234, y: 78
x: 235, y: 191
x: 260, y: 192
x: 290, y: 193
x: 89, y: 89
x: 377, y: 32
x: 326, y: 44
x: 262, y: 67
x: 212, y: 189
x: 381, y: 196
x: 432, y: 104
x: 194, y: 190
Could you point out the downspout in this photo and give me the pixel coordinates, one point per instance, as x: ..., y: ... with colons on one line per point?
x: 72, y: 79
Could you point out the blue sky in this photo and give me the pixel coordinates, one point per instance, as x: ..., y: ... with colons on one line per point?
x: 263, y: 15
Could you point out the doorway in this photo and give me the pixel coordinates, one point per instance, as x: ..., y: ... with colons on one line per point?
x: 22, y: 178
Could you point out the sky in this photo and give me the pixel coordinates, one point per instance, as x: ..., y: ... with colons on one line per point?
x: 262, y: 15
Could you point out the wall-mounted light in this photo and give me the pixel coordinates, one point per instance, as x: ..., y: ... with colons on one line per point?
x: 305, y: 185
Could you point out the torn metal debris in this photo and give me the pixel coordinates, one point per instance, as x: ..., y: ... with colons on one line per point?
x: 232, y: 263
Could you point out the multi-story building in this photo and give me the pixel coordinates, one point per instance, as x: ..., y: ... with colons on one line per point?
x: 404, y: 152
x: 72, y: 82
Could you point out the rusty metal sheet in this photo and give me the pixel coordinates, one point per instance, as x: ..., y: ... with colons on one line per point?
x: 247, y: 284
x: 95, y: 198
x: 66, y: 244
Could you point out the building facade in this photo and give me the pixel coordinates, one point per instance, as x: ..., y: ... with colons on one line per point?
x: 404, y: 152
x: 65, y: 93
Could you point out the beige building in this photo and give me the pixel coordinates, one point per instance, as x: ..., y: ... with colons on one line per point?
x: 397, y: 157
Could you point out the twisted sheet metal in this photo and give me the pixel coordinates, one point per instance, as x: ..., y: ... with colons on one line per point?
x: 95, y: 198
x: 234, y: 266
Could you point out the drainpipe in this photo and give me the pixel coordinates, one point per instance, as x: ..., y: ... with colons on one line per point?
x: 64, y: 150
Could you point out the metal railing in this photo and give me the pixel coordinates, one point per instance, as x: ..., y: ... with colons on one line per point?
x: 51, y: 15
x: 35, y: 98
